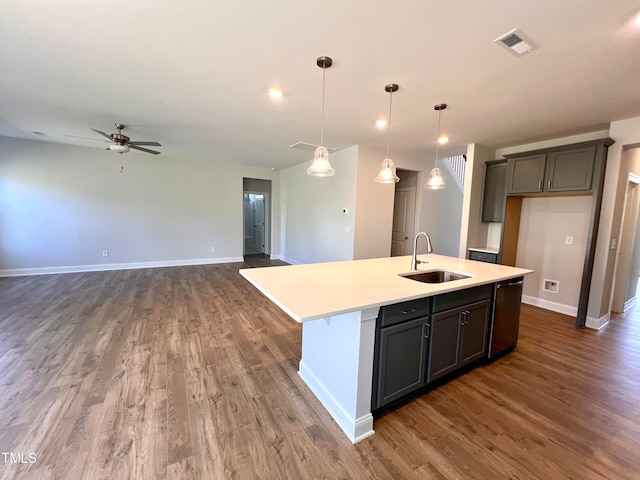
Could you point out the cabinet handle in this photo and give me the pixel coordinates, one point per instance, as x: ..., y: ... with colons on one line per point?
x: 427, y: 330
x: 462, y: 318
x: 540, y: 185
x: 407, y: 312
x: 501, y: 285
x: 548, y: 184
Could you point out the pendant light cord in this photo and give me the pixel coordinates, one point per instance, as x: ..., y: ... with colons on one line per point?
x: 324, y: 70
x: 389, y: 126
x: 438, y: 139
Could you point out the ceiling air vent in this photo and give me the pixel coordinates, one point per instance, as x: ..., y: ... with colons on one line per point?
x: 516, y: 42
x: 309, y: 147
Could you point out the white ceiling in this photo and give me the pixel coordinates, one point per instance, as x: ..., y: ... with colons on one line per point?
x: 194, y: 75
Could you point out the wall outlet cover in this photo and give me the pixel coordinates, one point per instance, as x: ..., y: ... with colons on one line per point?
x: 551, y: 286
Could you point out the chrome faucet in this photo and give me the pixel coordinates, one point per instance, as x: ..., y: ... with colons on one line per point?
x: 414, y: 259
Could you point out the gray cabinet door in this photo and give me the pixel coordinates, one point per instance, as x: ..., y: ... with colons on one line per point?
x: 444, y: 344
x: 570, y: 170
x: 475, y: 331
x: 494, y: 184
x: 402, y: 359
x: 526, y: 174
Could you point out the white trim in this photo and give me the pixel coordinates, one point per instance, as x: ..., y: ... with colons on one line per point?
x: 276, y: 256
x: 266, y: 234
x: 290, y: 260
x: 18, y: 272
x: 632, y: 302
x: 597, y: 323
x: 548, y: 305
x: 356, y: 429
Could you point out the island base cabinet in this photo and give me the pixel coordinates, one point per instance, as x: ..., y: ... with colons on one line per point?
x: 444, y: 348
x: 458, y: 337
x: 401, y: 356
x: 475, y: 332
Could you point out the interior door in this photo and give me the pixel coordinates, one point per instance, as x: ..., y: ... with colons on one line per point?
x: 259, y: 223
x: 403, y: 216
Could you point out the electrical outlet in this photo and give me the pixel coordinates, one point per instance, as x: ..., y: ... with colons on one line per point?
x: 568, y: 240
x: 347, y: 229
x: 213, y: 249
x: 614, y: 244
x: 105, y: 253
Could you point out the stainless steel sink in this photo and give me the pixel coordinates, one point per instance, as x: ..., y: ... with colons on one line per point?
x: 435, y: 276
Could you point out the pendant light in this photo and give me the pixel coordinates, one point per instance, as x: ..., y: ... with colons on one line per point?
x: 320, y: 167
x: 388, y: 171
x: 436, y: 182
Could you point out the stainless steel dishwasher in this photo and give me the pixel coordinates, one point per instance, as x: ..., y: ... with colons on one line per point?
x: 506, y: 316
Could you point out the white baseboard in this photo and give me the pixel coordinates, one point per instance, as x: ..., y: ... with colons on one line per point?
x: 290, y: 261
x: 597, y: 323
x: 356, y: 429
x: 548, y: 305
x: 18, y: 272
x: 632, y: 302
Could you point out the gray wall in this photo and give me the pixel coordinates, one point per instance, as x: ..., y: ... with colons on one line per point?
x: 60, y: 206
x: 311, y: 208
x: 544, y: 225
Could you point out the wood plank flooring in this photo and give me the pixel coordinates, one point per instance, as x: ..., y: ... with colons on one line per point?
x: 189, y: 372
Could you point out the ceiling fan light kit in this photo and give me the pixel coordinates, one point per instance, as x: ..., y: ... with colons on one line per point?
x: 436, y: 181
x: 120, y: 148
x: 388, y: 171
x: 320, y: 167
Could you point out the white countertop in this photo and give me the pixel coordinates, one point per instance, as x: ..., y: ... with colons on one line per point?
x: 318, y: 290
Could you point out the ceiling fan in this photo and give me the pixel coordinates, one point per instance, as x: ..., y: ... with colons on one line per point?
x: 122, y: 143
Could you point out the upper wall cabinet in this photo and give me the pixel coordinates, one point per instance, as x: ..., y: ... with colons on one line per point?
x: 493, y: 200
x: 526, y: 174
x: 568, y: 170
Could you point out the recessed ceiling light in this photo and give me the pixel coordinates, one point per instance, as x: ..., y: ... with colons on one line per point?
x: 443, y: 139
x: 636, y: 20
x: 381, y: 123
x: 275, y: 93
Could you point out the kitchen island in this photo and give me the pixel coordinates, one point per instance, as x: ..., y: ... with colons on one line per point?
x: 338, y: 303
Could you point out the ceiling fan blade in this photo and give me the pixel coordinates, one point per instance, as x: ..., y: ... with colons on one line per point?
x: 150, y: 144
x: 146, y: 150
x: 86, y: 138
x: 102, y: 133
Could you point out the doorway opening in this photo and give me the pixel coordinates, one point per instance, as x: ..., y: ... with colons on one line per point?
x: 404, y: 218
x: 256, y: 216
x: 628, y: 261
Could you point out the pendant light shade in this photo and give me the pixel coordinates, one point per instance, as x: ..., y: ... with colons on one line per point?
x: 320, y: 167
x: 388, y: 171
x: 436, y: 181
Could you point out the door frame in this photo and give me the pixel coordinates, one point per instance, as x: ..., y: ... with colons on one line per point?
x: 615, y: 290
x: 267, y: 219
x: 410, y: 221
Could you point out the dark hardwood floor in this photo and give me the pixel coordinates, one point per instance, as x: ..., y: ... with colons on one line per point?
x: 189, y: 372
